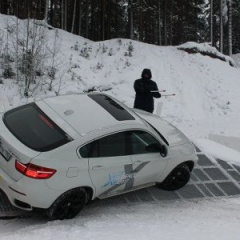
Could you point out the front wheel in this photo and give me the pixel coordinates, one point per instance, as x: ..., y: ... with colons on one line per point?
x: 68, y: 205
x: 178, y: 178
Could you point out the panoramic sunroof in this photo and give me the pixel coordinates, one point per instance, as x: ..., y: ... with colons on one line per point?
x: 117, y: 111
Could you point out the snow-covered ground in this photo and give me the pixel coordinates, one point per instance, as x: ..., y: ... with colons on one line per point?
x: 236, y: 57
x: 207, y: 90
x: 206, y: 108
x: 198, y: 220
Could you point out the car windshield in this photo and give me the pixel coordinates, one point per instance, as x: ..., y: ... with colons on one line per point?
x: 33, y: 128
x: 160, y: 135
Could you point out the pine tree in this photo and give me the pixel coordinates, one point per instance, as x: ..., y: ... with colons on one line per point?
x: 162, y: 22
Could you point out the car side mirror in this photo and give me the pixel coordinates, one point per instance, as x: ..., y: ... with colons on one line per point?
x: 163, y: 151
x: 154, y: 147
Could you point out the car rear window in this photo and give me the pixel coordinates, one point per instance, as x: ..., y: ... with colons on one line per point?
x: 112, y: 107
x: 33, y: 128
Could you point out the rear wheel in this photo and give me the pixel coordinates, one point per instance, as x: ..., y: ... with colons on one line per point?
x: 178, y: 178
x: 68, y: 205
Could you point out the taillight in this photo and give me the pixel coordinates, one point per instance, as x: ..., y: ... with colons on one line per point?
x: 34, y: 171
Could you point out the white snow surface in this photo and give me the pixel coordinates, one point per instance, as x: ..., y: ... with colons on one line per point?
x: 198, y: 220
x: 217, y: 150
x: 236, y: 58
x: 206, y: 48
x: 206, y: 108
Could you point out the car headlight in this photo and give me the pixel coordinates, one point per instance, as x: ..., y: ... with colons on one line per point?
x: 187, y: 149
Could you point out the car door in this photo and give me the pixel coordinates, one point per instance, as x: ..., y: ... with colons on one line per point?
x: 148, y: 164
x: 109, y: 164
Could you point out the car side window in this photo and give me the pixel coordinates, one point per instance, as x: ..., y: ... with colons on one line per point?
x: 110, y: 146
x: 86, y: 150
x: 140, y: 142
x: 113, y: 145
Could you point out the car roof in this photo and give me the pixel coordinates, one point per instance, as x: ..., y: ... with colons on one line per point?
x: 90, y: 112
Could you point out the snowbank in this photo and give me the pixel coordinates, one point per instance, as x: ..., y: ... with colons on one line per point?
x: 218, y: 151
x: 206, y: 50
x: 207, y: 90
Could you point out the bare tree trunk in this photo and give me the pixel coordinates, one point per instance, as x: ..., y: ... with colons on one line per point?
x: 26, y: 75
x: 7, y: 46
x: 17, y: 39
x: 132, y: 28
x: 182, y: 22
x: 230, y: 27
x: 103, y: 19
x: 94, y: 32
x: 10, y: 8
x: 140, y: 6
x: 130, y: 18
x: 74, y: 15
x: 66, y: 14
x: 62, y: 14
x: 116, y: 19
x: 80, y: 20
x: 159, y: 24
x: 87, y: 20
x: 171, y: 23
x: 110, y: 11
x: 46, y: 11
x: 221, y: 26
x: 165, y: 22
x: 211, y: 22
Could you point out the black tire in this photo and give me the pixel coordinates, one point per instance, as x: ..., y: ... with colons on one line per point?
x: 178, y: 178
x: 68, y: 205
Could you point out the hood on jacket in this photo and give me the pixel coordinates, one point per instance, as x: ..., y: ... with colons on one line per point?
x: 146, y: 71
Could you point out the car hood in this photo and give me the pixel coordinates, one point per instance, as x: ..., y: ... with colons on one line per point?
x: 170, y: 133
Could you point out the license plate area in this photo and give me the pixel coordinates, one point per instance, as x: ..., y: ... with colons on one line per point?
x: 4, y: 153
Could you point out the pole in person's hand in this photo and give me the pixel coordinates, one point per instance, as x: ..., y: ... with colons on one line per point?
x: 164, y: 95
x: 168, y: 95
x: 158, y: 91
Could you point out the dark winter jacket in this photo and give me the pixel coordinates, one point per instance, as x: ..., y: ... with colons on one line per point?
x: 144, y: 96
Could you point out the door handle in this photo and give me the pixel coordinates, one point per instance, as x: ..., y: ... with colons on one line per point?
x: 97, y: 167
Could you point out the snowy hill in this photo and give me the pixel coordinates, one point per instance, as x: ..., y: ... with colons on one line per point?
x: 206, y: 108
x: 207, y: 89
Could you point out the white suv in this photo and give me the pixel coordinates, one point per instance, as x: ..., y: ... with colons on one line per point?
x: 59, y: 153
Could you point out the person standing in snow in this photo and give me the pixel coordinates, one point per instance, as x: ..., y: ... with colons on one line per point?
x: 146, y: 89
